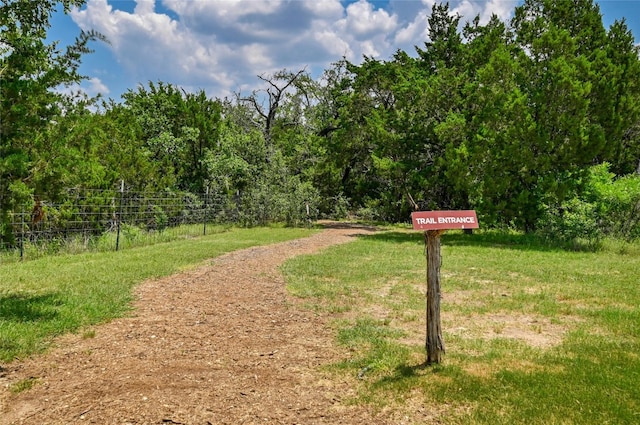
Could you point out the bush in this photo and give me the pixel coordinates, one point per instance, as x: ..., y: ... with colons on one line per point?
x: 340, y: 207
x: 619, y: 205
x: 606, y: 207
x: 573, y: 223
x: 284, y: 202
x: 278, y: 196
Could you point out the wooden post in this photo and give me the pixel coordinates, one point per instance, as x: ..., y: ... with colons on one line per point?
x: 204, y: 220
x: 434, y: 224
x: 435, y: 344
x: 119, y: 215
x: 22, y: 234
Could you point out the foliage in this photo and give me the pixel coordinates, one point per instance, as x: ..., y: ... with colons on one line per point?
x: 177, y: 130
x: 607, y: 206
x: 503, y: 117
x: 30, y: 72
x: 573, y: 223
x: 617, y: 200
x: 278, y: 197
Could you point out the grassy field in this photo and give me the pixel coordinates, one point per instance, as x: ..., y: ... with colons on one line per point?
x: 42, y: 298
x: 533, y: 335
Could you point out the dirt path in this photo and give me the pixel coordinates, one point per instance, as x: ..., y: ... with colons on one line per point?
x: 222, y: 344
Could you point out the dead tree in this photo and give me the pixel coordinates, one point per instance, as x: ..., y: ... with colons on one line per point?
x: 278, y: 84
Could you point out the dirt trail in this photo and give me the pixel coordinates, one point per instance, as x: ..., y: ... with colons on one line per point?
x: 221, y: 344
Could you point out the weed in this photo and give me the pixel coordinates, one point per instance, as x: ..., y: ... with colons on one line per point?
x: 23, y: 385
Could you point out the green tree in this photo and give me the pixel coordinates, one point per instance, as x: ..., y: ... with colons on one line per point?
x: 240, y: 157
x: 177, y: 129
x: 31, y: 71
x: 444, y: 49
x: 123, y: 154
x: 201, y: 134
x: 67, y: 153
x: 617, y: 102
x: 545, y: 99
x: 267, y: 104
x: 564, y: 81
x: 382, y: 144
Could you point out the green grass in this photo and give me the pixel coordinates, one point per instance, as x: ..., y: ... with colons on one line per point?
x: 534, y: 335
x: 23, y: 385
x: 49, y: 296
x: 130, y: 237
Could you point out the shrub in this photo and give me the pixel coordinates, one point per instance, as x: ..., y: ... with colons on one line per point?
x: 339, y: 207
x: 619, y: 205
x: 606, y: 207
x: 573, y: 223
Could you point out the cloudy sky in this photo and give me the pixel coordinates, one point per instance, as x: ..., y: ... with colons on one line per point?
x: 222, y: 45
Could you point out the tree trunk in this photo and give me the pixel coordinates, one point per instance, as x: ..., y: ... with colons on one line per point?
x: 435, y: 343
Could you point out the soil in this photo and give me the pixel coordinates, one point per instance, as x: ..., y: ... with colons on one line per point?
x: 220, y: 344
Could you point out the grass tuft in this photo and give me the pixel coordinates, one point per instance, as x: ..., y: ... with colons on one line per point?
x: 23, y: 385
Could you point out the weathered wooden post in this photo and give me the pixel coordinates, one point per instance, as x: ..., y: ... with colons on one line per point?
x: 434, y: 342
x: 434, y: 224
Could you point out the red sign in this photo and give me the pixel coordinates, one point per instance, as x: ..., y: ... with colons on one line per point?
x: 439, y: 220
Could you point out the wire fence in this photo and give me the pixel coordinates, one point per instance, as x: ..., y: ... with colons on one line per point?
x: 110, y: 220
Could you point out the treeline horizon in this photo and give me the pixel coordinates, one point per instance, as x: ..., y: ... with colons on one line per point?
x: 534, y: 123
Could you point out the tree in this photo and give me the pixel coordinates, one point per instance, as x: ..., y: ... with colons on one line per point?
x: 547, y: 98
x: 67, y: 153
x: 239, y: 157
x: 444, y: 48
x: 202, y: 134
x: 382, y: 144
x: 617, y: 103
x: 177, y: 129
x: 123, y: 154
x: 30, y: 72
x: 276, y: 93
x: 564, y: 80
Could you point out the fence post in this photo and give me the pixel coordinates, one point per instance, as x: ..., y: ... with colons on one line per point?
x: 119, y: 215
x: 22, y: 234
x: 206, y: 201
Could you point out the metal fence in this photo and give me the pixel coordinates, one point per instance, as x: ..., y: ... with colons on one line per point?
x: 103, y: 220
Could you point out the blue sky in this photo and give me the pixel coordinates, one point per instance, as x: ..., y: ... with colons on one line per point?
x: 220, y: 46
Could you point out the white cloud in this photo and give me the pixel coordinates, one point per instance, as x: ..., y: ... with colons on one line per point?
x: 222, y: 45
x: 94, y: 87
x: 223, y: 10
x: 91, y: 87
x: 145, y: 7
x: 325, y: 9
x: 415, y: 32
x: 469, y: 9
x: 335, y: 45
x: 363, y: 21
x: 146, y: 42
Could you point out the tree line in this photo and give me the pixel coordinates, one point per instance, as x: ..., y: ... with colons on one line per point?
x: 534, y: 123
